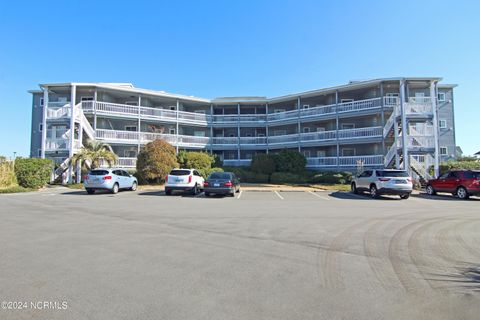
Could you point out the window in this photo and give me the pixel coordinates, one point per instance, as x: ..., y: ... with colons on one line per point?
x: 131, y: 103
x: 321, y: 153
x: 320, y: 129
x: 366, y: 174
x: 306, y: 153
x: 39, y: 153
x: 278, y: 110
x: 130, y: 153
x: 130, y: 128
x: 261, y: 135
x: 306, y: 106
x: 443, y: 151
x: 86, y: 99
x: 441, y: 96
x: 346, y: 126
x: 172, y: 131
x: 346, y: 100
x: 442, y: 123
x: 40, y: 127
x: 173, y: 108
x: 199, y: 133
x: 306, y: 130
x: 41, y: 102
x: 348, y: 152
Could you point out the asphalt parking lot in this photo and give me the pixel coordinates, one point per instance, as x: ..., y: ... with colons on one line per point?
x: 258, y: 255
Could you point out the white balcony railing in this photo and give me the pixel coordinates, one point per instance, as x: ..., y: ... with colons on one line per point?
x: 359, y: 105
x: 391, y: 101
x: 320, y: 135
x: 287, y: 138
x: 360, y: 133
x: 420, y: 141
x: 371, y: 160
x: 127, y: 162
x: 56, y: 110
x: 419, y: 106
x: 318, y: 111
x: 225, y: 140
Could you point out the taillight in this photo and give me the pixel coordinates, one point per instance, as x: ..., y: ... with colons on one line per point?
x: 383, y: 179
x: 189, y: 179
x: 166, y: 178
x: 85, y: 178
x: 228, y: 184
x: 205, y: 184
x: 107, y: 178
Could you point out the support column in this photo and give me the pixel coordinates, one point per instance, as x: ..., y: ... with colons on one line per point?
x: 72, y: 131
x: 406, y: 161
x: 266, y: 125
x: 95, y: 98
x: 433, y: 96
x: 382, y: 101
x: 211, y: 128
x: 336, y: 133
x: 139, y: 124
x: 238, y: 131
x: 176, y: 125
x: 44, y: 121
x: 298, y: 124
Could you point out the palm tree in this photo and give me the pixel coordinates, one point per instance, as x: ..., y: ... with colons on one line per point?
x: 94, y: 152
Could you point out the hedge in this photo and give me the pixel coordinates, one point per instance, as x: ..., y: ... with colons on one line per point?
x: 33, y: 172
x: 287, y: 177
x: 290, y: 161
x: 331, y: 177
x: 456, y: 165
x: 246, y: 175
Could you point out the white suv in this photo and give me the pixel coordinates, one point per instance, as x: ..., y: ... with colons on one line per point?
x: 184, y: 180
x: 377, y: 182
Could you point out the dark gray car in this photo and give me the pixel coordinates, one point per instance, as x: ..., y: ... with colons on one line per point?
x: 225, y: 183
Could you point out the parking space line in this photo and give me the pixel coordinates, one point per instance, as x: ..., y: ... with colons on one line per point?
x: 278, y: 194
x: 239, y: 194
x: 318, y: 196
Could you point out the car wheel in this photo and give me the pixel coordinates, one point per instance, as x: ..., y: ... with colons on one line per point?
x: 238, y: 190
x: 207, y: 194
x: 134, y: 187
x: 115, y: 188
x: 232, y: 194
x: 404, y: 196
x: 168, y: 192
x: 195, y: 190
x: 373, y: 191
x: 430, y: 190
x: 90, y: 191
x: 462, y: 193
x: 353, y: 188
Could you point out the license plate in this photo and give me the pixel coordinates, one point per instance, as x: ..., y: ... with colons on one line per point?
x: 216, y: 184
x: 179, y: 180
x: 400, y: 181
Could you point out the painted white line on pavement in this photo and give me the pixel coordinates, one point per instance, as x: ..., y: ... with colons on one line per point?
x: 239, y: 194
x: 278, y: 194
x: 318, y: 196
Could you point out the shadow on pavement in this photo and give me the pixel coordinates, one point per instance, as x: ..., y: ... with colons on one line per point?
x: 352, y: 196
x: 444, y: 196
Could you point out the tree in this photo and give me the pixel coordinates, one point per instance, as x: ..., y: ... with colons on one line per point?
x: 155, y: 161
x: 94, y: 152
x: 290, y: 161
x: 263, y: 164
x: 197, y: 160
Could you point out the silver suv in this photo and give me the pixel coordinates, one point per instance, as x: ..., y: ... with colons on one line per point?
x: 109, y: 179
x: 378, y: 182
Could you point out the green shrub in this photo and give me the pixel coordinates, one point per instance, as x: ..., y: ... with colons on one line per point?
x: 263, y: 163
x: 16, y: 189
x: 206, y: 172
x: 287, y: 177
x: 7, y: 173
x: 456, y: 165
x: 197, y: 160
x: 155, y: 161
x: 33, y: 172
x: 329, y: 177
x: 246, y: 175
x: 290, y: 161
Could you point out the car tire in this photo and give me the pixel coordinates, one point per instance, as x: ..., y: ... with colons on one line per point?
x: 238, y: 190
x: 404, y: 196
x: 231, y: 194
x: 90, y: 191
x: 373, y: 191
x: 430, y: 191
x: 353, y: 188
x: 115, y: 188
x: 168, y: 192
x: 134, y: 187
x: 195, y: 190
x: 207, y: 194
x: 462, y: 193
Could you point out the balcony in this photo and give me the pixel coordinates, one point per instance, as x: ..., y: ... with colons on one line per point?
x: 61, y: 144
x: 350, y: 162
x: 58, y: 110
x: 419, y: 106
x: 122, y: 110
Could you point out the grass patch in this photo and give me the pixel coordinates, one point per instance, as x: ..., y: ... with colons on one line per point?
x: 16, y: 189
x: 334, y: 187
x: 77, y: 186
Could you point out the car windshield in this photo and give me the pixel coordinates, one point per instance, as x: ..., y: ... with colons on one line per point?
x: 180, y: 172
x: 220, y: 175
x: 392, y: 173
x: 98, y: 172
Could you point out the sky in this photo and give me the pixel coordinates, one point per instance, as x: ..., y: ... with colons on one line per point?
x: 234, y: 48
